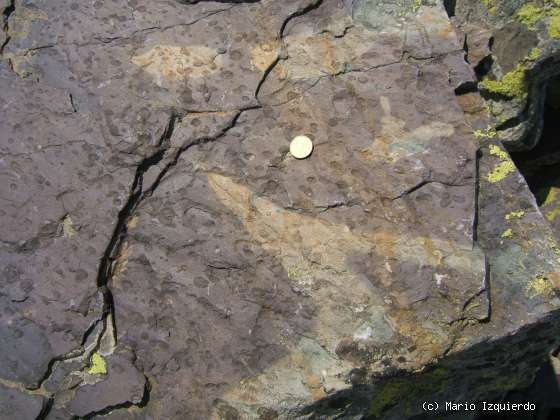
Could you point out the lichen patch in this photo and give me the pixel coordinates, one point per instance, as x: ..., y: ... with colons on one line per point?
x: 68, y: 230
x: 511, y: 85
x: 98, y: 365
x: 504, y: 168
x: 263, y: 55
x: 394, y: 141
x: 22, y: 21
x: 174, y: 62
x: 539, y: 286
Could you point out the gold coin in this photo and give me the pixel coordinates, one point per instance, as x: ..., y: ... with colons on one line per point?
x: 301, y: 147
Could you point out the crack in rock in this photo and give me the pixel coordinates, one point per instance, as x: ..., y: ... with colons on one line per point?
x: 7, y: 12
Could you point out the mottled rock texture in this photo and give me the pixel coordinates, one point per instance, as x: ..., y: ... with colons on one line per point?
x: 164, y: 257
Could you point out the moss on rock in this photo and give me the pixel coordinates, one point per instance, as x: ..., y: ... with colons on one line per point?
x: 512, y: 85
x: 409, y: 390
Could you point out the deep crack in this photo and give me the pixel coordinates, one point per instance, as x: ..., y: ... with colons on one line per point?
x: 137, y: 194
x: 422, y: 184
x: 11, y: 8
x: 106, y: 265
x: 282, y: 51
x: 476, y: 214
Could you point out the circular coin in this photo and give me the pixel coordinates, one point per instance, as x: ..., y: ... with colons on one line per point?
x: 301, y: 147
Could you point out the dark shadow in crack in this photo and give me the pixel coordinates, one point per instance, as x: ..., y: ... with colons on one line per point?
x: 544, y: 393
x: 541, y: 165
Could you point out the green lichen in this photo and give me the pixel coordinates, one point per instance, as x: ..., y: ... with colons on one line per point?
x: 404, y: 7
x: 507, y: 234
x: 491, y: 5
x: 504, y: 168
x: 556, y: 250
x: 552, y: 215
x: 534, y: 54
x: 554, y: 24
x: 488, y: 133
x: 496, y: 151
x: 539, y: 286
x: 501, y: 171
x: 551, y: 202
x: 409, y: 390
x: 98, y: 365
x: 551, y: 197
x: 512, y: 85
x: 515, y: 215
x: 296, y: 272
x: 530, y: 14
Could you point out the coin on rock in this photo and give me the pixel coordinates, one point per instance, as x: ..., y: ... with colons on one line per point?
x: 301, y: 147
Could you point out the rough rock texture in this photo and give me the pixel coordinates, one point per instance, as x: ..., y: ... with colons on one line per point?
x: 163, y: 256
x: 514, y: 48
x: 17, y: 405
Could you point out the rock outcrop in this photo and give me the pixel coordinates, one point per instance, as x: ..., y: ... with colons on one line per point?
x: 164, y: 256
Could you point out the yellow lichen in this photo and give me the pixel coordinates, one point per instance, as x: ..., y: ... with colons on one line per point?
x: 551, y: 196
x: 503, y: 169
x: 489, y: 133
x: 556, y: 251
x: 539, y: 286
x: 496, y: 151
x: 554, y: 24
x: 530, y: 14
x: 512, y: 85
x: 295, y: 272
x: 491, y: 5
x: 98, y: 365
x: 515, y: 215
x: 404, y: 7
x: 534, y: 54
x: 507, y: 234
x: 552, y: 215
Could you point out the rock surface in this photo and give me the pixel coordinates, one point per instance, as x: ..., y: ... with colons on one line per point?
x: 17, y: 405
x: 513, y: 47
x: 164, y: 256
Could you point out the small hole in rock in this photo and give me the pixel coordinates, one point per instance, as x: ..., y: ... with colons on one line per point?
x: 483, y: 67
x: 450, y: 7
